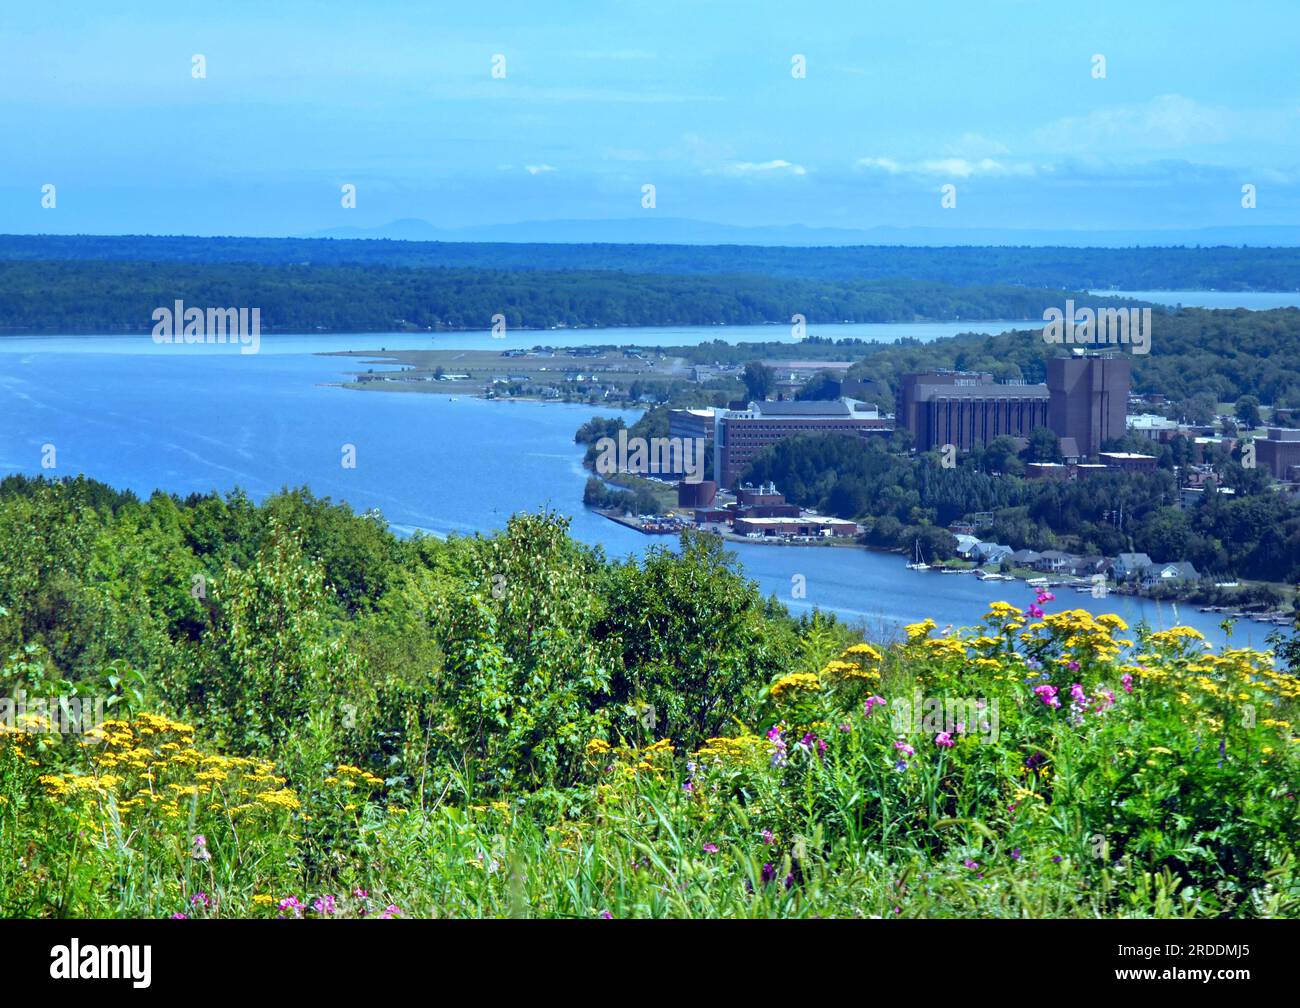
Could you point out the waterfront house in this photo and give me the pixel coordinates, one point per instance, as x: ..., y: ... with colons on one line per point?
x: 1180, y: 573
x: 1129, y: 565
x: 1052, y: 561
x: 987, y: 553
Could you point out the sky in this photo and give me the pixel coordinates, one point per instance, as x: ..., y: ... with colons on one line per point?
x: 999, y: 98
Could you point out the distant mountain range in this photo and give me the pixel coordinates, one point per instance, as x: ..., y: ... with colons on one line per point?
x: 685, y: 231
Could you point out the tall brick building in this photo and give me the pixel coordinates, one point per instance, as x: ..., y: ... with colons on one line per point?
x: 1088, y: 397
x: 1084, y: 398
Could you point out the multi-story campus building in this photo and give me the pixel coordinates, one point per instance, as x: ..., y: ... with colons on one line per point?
x: 967, y: 409
x: 1279, y: 453
x: 1084, y: 400
x: 1088, y: 397
x: 739, y: 435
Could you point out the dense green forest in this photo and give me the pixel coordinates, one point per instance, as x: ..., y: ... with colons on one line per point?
x: 108, y: 296
x: 1211, y: 268
x: 309, y: 717
x: 1254, y: 533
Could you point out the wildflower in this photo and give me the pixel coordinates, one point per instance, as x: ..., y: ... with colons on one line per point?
x: 769, y: 873
x: 180, y: 916
x: 870, y: 703
x: 972, y: 865
x: 710, y: 848
x: 199, y: 848
x: 944, y: 739
x: 768, y: 838
x: 1127, y: 681
x: 390, y: 912
x: 1015, y: 854
x: 1045, y: 596
x: 200, y: 899
x: 1072, y: 665
x: 904, y: 748
x: 606, y: 915
x: 778, y: 747
x: 1047, y: 694
x: 1034, y: 612
x: 324, y: 905
x: 291, y: 904
x: 900, y: 766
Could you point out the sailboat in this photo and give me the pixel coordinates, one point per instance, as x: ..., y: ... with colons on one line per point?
x: 918, y: 563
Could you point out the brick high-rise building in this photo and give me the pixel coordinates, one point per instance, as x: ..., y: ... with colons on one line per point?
x: 1088, y: 396
x: 1279, y: 453
x: 966, y: 409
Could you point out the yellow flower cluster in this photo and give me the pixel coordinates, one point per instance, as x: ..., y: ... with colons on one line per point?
x: 856, y: 664
x: 917, y: 631
x: 793, y: 682
x: 743, y: 750
x: 151, y: 763
x: 350, y: 776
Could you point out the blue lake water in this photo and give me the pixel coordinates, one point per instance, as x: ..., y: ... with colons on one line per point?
x: 185, y: 419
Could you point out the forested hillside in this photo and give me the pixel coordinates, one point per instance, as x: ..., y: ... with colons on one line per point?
x: 1211, y: 268
x: 104, y: 296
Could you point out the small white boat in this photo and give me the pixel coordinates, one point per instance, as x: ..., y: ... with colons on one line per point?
x: 918, y: 564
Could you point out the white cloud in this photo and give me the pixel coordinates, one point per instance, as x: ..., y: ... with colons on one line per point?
x: 759, y: 168
x: 537, y: 169
x: 1168, y: 121
x: 951, y: 167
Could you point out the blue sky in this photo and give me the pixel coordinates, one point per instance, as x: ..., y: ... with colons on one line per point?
x: 697, y: 98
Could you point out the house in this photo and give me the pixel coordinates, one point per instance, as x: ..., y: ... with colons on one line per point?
x: 1129, y: 565
x: 1025, y: 557
x: 1181, y: 572
x: 965, y: 545
x: 1088, y: 566
x: 1051, y: 561
x: 987, y: 553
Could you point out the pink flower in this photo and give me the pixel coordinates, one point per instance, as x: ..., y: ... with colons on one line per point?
x: 1045, y: 596
x: 1035, y: 612
x: 1073, y: 666
x: 1047, y: 694
x: 290, y: 903
x: 710, y: 848
x: 870, y: 702
x: 606, y: 915
x: 389, y: 912
x: 200, y: 899
x: 1127, y: 681
x: 324, y: 905
x: 769, y: 838
x: 944, y: 739
x: 906, y: 749
x: 180, y: 916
